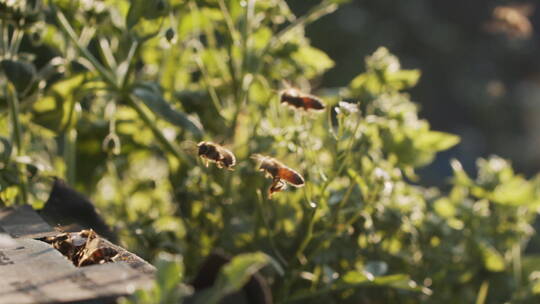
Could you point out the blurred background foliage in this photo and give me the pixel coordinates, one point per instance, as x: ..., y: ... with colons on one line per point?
x: 477, y: 61
x: 113, y: 96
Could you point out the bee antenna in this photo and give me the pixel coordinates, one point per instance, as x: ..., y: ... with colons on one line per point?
x: 286, y: 84
x: 257, y: 157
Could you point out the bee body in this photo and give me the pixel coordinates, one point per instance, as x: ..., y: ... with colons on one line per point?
x: 281, y: 174
x: 212, y: 152
x: 297, y: 99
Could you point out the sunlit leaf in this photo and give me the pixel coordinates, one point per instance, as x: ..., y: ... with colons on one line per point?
x: 170, y: 271
x: 493, y: 260
x: 236, y: 273
x: 436, y: 141
x: 233, y: 276
x: 515, y: 192
x: 403, y: 79
x: 170, y: 223
x: 162, y: 108
x: 313, y: 60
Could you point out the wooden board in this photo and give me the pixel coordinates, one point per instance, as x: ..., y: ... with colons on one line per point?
x: 33, y: 272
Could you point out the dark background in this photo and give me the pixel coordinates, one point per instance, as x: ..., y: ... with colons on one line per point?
x: 479, y: 84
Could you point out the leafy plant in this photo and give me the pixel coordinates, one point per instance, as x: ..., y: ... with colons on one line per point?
x: 125, y: 89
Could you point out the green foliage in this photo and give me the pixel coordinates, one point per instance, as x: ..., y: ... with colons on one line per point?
x: 233, y: 276
x: 119, y: 111
x: 168, y: 287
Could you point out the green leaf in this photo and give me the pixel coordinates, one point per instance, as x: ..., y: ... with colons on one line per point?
x: 135, y: 13
x: 444, y: 207
x: 515, y: 192
x: 20, y: 74
x: 493, y: 260
x: 237, y: 272
x: 400, y: 281
x: 436, y: 141
x: 403, y: 79
x: 460, y: 176
x: 57, y: 110
x: 170, y: 223
x: 233, y: 276
x: 314, y: 61
x: 355, y: 277
x: 170, y: 271
x: 145, y: 9
x: 360, y: 181
x: 162, y: 108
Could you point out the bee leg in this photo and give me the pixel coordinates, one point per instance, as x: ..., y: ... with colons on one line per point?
x: 219, y: 165
x: 272, y: 188
x: 280, y: 185
x: 277, y: 186
x: 206, y: 163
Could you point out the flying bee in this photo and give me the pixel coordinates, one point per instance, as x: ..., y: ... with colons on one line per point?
x: 211, y: 152
x: 300, y: 100
x: 281, y: 175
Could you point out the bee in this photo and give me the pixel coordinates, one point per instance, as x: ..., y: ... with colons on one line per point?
x: 300, y: 100
x: 281, y: 174
x: 512, y: 20
x: 211, y: 152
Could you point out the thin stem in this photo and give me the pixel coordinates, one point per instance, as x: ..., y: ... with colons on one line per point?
x: 308, y: 235
x: 216, y: 101
x: 342, y: 203
x: 68, y: 30
x: 229, y: 21
x: 482, y: 293
x: 13, y: 102
x: 516, y: 261
x: 150, y: 122
x: 313, y: 14
x: 5, y: 38
x: 348, y: 151
x: 124, y: 75
x: 106, y: 51
x: 16, y: 39
x: 370, y: 199
x: 69, y: 151
x: 267, y: 226
x: 209, y: 31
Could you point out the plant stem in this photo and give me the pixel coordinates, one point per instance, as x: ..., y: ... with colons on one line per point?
x: 67, y: 29
x: 516, y: 261
x: 335, y: 218
x: 5, y: 38
x: 308, y: 234
x: 16, y: 39
x: 270, y: 231
x: 132, y: 102
x: 13, y: 102
x: 69, y: 151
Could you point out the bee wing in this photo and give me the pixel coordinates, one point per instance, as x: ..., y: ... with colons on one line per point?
x: 189, y: 147
x: 292, y: 177
x: 257, y: 157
